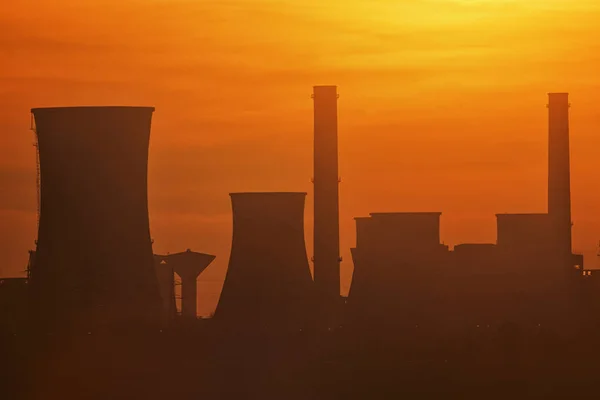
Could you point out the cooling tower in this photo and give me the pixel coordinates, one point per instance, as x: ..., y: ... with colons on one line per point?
x: 559, y: 172
x: 94, y: 264
x: 359, y: 271
x: 268, y: 283
x: 326, y: 200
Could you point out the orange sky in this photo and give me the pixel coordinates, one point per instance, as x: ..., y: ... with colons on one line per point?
x: 442, y: 107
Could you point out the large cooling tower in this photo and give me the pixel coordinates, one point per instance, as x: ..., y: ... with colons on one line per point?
x: 94, y: 263
x: 268, y: 283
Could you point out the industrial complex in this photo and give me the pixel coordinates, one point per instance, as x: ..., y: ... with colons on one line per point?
x: 529, y: 276
x: 93, y: 265
x: 93, y: 269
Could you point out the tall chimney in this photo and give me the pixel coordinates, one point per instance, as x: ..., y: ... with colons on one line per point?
x: 559, y: 179
x: 326, y: 201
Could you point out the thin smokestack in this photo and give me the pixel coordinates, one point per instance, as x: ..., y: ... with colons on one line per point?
x: 559, y: 171
x: 326, y: 201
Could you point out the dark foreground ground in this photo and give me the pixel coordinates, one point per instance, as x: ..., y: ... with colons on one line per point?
x: 200, y: 362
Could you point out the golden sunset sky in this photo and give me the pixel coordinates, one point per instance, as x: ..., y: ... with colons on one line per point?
x: 442, y: 107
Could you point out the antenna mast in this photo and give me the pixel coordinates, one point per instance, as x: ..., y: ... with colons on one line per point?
x: 37, y: 167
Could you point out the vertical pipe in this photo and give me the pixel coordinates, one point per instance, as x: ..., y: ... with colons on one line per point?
x: 559, y: 179
x: 189, y: 297
x: 326, y: 192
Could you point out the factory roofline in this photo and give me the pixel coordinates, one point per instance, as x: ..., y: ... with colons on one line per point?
x: 91, y: 108
x: 384, y: 214
x: 266, y: 193
x: 476, y: 244
x: 521, y: 214
x: 459, y: 248
x: 187, y: 253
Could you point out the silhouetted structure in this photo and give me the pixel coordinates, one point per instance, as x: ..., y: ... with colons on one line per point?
x: 13, y: 304
x: 165, y: 275
x: 188, y: 265
x: 559, y: 174
x: 525, y: 242
x: 30, y: 262
x: 326, y: 197
x: 403, y: 276
x: 94, y: 264
x: 512, y: 319
x: 397, y: 257
x: 268, y: 283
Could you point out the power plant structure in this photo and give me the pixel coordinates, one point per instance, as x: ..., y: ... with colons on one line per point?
x: 188, y: 265
x: 94, y: 264
x: 396, y: 255
x: 326, y: 199
x: 268, y: 283
x: 165, y: 275
x: 403, y: 275
x: 559, y: 175
x: 13, y: 304
x: 521, y: 312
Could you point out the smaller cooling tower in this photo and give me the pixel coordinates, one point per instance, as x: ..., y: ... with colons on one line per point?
x: 268, y: 283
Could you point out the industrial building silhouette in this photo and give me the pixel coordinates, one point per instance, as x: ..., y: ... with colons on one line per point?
x: 326, y: 200
x: 405, y: 277
x: 268, y: 269
x: 93, y: 267
x: 188, y: 265
x: 94, y: 262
